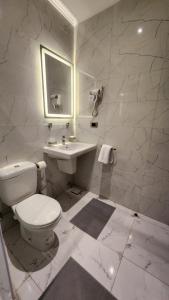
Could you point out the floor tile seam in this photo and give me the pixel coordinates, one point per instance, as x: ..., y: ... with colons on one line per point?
x: 141, y: 268
x: 113, y: 250
x: 141, y: 216
x: 109, y: 289
x: 34, y: 281
x: 112, y: 204
x: 153, y: 222
x: 85, y: 203
x: 147, y: 219
x: 28, y: 274
x: 130, y: 231
x: 62, y: 265
x: 122, y: 256
x: 108, y: 248
x: 68, y: 218
x: 128, y: 235
x: 37, y: 284
x: 99, y: 242
x: 123, y: 251
x: 116, y: 275
x: 23, y: 281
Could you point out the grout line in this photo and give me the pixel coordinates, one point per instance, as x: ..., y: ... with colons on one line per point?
x: 142, y: 217
x: 134, y: 263
x: 21, y: 283
x: 123, y: 253
x: 111, y: 290
x: 37, y: 284
x: 88, y: 199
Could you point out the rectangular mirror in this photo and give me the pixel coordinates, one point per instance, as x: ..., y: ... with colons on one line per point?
x: 57, y: 76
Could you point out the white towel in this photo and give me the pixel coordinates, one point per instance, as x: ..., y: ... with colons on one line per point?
x: 105, y: 154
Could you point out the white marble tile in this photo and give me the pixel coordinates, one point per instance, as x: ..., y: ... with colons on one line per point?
x: 28, y: 290
x: 42, y: 266
x: 23, y: 132
x: 94, y: 47
x: 79, y: 205
x: 85, y: 83
x: 135, y: 102
x: 17, y: 273
x: 96, y: 257
x: 154, y: 222
x: 124, y: 209
x: 148, y: 247
x: 68, y: 237
x: 162, y: 115
x: 136, y: 114
x: 106, y: 201
x: 97, y: 260
x: 134, y: 283
x: 116, y: 232
x: 44, y: 276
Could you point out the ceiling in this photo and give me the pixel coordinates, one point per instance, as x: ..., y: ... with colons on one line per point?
x: 82, y: 10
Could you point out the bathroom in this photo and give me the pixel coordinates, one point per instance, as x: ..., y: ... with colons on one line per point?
x: 84, y: 143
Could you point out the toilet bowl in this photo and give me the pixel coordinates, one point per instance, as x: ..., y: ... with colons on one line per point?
x: 37, y: 214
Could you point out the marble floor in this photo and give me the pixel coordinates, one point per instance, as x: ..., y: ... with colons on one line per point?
x: 70, y: 197
x: 130, y: 257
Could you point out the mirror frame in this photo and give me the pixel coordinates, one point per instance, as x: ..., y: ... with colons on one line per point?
x: 45, y: 51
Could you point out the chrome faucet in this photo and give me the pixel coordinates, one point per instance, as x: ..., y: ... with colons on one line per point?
x: 63, y: 140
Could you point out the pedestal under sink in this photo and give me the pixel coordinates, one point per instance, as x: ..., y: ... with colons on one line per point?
x: 67, y: 154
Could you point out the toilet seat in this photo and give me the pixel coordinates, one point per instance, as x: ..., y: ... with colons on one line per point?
x: 38, y: 211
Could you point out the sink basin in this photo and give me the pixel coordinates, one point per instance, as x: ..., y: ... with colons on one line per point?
x: 69, y: 150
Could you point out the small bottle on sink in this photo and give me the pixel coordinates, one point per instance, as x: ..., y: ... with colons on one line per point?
x: 63, y: 139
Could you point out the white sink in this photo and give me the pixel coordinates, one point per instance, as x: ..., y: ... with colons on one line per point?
x: 69, y: 150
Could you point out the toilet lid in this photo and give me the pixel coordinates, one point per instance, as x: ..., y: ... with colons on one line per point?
x: 38, y: 210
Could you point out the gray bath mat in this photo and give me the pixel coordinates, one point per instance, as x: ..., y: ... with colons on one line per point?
x: 93, y: 217
x: 74, y: 283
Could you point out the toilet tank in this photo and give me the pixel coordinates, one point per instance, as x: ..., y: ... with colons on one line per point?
x: 17, y: 182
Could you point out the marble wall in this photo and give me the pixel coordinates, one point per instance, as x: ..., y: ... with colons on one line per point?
x: 126, y: 49
x: 24, y: 25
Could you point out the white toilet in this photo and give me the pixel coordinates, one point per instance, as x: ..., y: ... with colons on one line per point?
x: 38, y: 214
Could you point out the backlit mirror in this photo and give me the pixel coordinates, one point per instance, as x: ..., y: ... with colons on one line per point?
x: 57, y: 75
